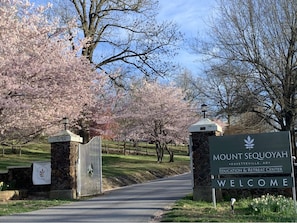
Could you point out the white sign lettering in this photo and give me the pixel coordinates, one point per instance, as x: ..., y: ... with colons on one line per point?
x: 263, y: 182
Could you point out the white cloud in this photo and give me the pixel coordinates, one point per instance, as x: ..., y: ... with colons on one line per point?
x: 191, y: 15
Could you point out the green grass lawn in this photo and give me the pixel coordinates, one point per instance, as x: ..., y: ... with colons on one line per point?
x: 143, y: 148
x: 117, y: 165
x: 25, y: 156
x: 21, y: 206
x: 187, y: 210
x: 40, y: 151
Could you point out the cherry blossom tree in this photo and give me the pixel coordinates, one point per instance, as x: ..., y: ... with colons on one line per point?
x: 98, y: 118
x: 158, y: 113
x: 42, y: 77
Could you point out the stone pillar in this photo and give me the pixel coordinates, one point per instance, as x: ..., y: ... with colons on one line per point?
x: 199, y: 134
x: 64, y: 156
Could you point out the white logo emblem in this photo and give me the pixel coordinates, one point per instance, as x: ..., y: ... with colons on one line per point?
x: 249, y: 143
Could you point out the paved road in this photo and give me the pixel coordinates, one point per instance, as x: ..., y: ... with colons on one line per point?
x: 136, y: 203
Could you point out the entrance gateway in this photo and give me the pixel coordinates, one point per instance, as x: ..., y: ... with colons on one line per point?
x: 265, y: 156
x: 89, y: 168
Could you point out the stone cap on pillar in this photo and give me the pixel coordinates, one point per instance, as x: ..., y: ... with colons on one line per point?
x: 65, y: 136
x: 205, y: 125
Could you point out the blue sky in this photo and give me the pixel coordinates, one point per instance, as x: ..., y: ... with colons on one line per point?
x: 191, y: 16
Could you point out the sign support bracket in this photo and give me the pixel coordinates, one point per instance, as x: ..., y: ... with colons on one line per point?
x: 213, y: 191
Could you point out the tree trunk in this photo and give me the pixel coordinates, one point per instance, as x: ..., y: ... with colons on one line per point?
x: 170, y: 152
x: 85, y: 134
x: 124, y: 147
x: 159, y: 151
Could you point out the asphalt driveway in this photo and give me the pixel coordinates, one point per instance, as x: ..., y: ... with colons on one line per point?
x: 136, y: 203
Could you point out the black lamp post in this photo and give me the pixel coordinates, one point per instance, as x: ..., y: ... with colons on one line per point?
x: 203, y: 109
x: 65, y: 122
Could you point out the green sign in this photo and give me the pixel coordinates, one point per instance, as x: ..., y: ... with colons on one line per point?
x: 265, y: 153
x: 253, y: 182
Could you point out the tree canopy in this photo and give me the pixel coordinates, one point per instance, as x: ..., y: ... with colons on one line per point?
x: 260, y: 38
x: 124, y: 35
x: 157, y: 113
x: 42, y: 77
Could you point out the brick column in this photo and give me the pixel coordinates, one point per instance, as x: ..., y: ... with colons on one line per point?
x: 201, y: 166
x: 64, y: 156
x: 199, y: 134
